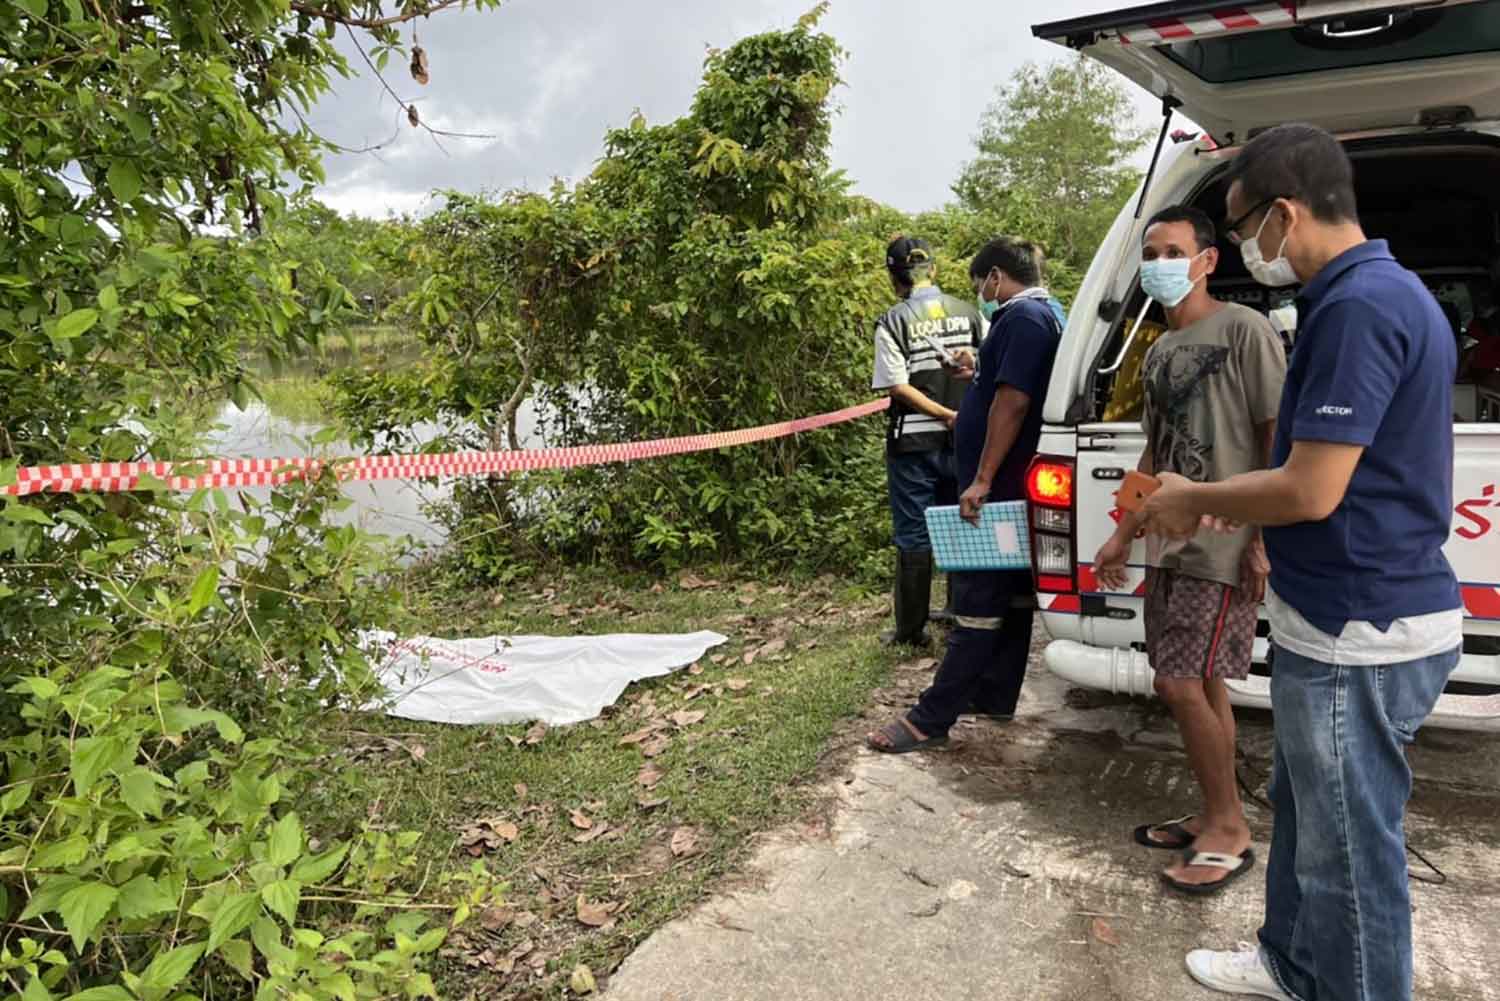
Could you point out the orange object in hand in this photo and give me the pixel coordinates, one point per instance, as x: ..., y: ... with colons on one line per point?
x: 1136, y: 487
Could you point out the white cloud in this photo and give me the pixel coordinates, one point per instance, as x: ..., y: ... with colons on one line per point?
x: 547, y: 79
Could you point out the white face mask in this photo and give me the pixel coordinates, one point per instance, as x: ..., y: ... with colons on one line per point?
x: 1277, y: 273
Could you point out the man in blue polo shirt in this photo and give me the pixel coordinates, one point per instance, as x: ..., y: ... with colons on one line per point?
x: 995, y: 437
x: 1366, y: 616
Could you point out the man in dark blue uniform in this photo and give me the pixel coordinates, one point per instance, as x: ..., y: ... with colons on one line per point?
x: 995, y: 437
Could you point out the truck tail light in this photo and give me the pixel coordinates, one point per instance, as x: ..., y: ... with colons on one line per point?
x: 1051, y: 499
x: 1049, y: 482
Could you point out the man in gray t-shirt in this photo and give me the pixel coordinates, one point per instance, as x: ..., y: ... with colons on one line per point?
x: 1209, y: 389
x: 1212, y: 386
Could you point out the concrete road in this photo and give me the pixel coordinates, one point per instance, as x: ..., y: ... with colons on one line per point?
x: 1002, y: 869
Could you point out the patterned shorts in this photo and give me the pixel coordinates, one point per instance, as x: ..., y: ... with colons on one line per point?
x: 1197, y: 628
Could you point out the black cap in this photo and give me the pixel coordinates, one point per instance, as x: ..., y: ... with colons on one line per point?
x: 906, y: 252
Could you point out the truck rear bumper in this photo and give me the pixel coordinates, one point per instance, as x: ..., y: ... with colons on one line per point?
x: 1128, y: 671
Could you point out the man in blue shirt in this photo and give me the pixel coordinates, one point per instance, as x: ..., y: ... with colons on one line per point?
x: 995, y: 437
x: 1366, y: 615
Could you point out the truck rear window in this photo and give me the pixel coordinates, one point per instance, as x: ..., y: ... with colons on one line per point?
x: 1362, y: 40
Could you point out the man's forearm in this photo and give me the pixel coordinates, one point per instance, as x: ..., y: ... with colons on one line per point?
x: 1002, y: 427
x: 1264, y: 497
x: 920, y: 401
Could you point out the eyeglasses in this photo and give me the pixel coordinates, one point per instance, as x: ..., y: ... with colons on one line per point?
x: 1232, y: 229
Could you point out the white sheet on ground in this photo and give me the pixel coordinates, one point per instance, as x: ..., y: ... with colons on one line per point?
x: 515, y: 679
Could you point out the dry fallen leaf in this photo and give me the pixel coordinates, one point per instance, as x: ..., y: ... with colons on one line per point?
x: 684, y: 842
x: 692, y: 582
x: 747, y: 600
x: 639, y: 736
x: 535, y: 734
x: 736, y: 684
x: 486, y: 835
x: 694, y: 692
x: 685, y: 718
x: 650, y: 802
x: 580, y: 820
x: 1104, y: 933
x: 649, y: 777
x: 521, y: 790
x: 926, y: 663
x: 695, y: 669
x: 582, y: 980
x: 749, y: 657
x: 595, y: 915
x: 657, y: 744
x: 808, y: 645
x: 591, y: 834
x: 496, y: 918
x: 775, y: 646
x: 716, y: 659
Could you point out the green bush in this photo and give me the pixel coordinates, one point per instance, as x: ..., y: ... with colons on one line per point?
x: 163, y: 710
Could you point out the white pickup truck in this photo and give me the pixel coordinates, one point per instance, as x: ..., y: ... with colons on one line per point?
x: 1413, y: 90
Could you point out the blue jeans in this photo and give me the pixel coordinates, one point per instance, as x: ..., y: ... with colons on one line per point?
x: 918, y: 481
x: 1338, y: 907
x: 985, y: 663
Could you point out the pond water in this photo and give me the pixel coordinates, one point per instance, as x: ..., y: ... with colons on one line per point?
x: 392, y: 508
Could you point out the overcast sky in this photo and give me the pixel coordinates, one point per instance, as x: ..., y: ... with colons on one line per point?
x: 548, y: 77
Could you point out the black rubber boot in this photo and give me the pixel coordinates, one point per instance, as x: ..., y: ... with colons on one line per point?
x: 913, y: 591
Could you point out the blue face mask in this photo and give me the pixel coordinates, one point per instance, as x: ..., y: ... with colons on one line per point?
x: 1166, y: 279
x: 987, y: 309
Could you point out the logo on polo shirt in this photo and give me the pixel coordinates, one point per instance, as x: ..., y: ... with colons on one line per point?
x: 1329, y: 410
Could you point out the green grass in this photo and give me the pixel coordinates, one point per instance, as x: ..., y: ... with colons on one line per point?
x: 297, y: 390
x: 300, y: 397
x: 740, y: 770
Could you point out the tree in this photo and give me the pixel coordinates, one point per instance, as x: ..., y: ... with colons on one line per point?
x: 704, y: 277
x: 320, y: 246
x: 156, y: 649
x: 1059, y: 136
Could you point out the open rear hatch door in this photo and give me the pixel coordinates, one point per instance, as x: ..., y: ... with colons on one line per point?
x: 1346, y: 65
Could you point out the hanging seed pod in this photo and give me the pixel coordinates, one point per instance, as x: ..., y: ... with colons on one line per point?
x: 412, y: 116
x: 419, y: 65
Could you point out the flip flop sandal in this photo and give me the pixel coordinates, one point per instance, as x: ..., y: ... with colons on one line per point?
x: 1234, y: 866
x: 1181, y: 836
x: 900, y: 740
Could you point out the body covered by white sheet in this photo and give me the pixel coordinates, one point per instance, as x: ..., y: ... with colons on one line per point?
x: 515, y: 679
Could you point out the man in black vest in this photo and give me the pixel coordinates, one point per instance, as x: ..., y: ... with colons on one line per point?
x: 924, y: 404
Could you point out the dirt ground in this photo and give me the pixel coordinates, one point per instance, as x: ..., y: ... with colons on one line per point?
x: 1002, y: 868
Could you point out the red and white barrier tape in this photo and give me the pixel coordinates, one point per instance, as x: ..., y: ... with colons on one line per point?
x: 1231, y: 19
x: 116, y: 477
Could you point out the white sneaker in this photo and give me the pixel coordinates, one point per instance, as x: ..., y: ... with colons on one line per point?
x: 1239, y: 972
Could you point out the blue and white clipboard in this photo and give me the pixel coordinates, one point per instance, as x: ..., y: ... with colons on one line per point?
x: 999, y: 542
